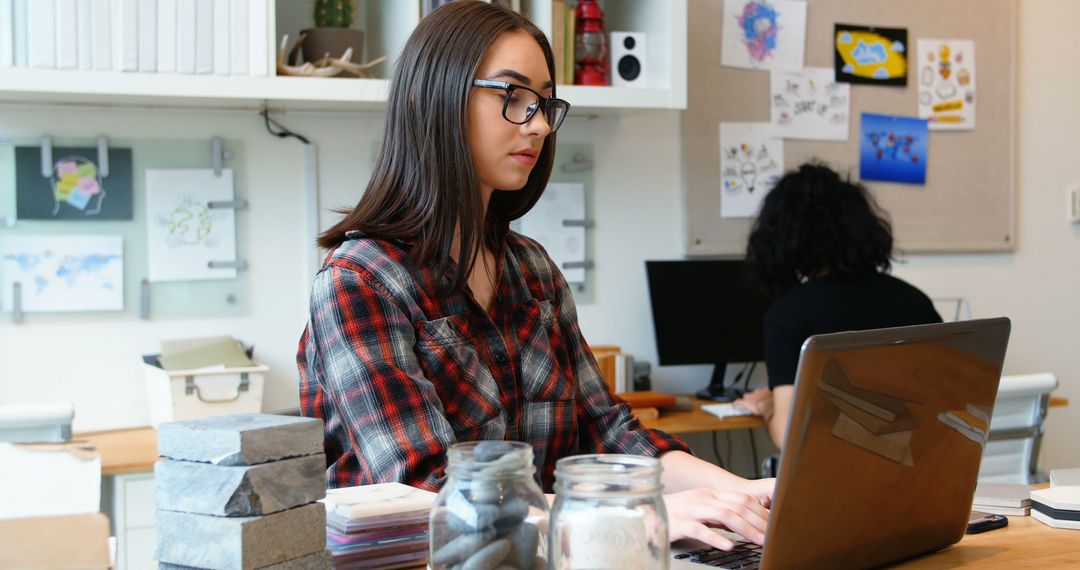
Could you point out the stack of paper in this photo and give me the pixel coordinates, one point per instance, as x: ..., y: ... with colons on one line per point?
x: 1002, y: 499
x: 875, y: 421
x: 378, y: 526
x: 197, y: 353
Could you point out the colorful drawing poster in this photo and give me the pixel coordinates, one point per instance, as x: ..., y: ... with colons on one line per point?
x: 544, y: 223
x: 183, y: 233
x: 64, y: 273
x: 946, y: 71
x: 874, y: 56
x: 764, y: 34
x: 893, y: 149
x: 810, y: 105
x: 75, y: 189
x: 751, y: 162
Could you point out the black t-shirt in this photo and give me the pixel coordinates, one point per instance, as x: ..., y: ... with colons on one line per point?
x: 831, y: 304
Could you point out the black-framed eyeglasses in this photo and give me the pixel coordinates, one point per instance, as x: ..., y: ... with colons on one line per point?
x: 521, y: 103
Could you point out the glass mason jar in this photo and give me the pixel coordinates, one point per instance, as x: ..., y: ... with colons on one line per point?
x: 490, y: 512
x: 608, y: 513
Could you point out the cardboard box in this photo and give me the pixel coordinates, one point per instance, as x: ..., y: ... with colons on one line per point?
x: 69, y: 541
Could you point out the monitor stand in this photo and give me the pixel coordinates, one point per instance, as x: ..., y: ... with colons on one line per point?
x: 716, y: 391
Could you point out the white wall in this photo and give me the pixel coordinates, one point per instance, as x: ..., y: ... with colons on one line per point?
x: 638, y: 212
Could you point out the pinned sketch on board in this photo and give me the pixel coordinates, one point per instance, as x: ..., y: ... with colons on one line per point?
x: 544, y: 223
x: 75, y: 189
x: 947, y: 84
x: 64, y: 273
x: 183, y: 233
x: 872, y: 56
x: 810, y: 105
x: 893, y: 148
x: 764, y: 34
x: 751, y: 162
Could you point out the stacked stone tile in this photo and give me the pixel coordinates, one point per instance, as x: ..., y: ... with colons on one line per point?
x: 240, y: 492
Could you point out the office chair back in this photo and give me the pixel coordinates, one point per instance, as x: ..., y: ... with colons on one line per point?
x: 1016, y: 429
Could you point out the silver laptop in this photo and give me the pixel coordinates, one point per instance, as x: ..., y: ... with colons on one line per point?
x: 883, y: 446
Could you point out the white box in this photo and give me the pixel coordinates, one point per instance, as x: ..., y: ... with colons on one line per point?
x: 185, y: 394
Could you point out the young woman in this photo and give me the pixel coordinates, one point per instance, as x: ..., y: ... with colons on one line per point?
x: 822, y: 245
x: 432, y: 323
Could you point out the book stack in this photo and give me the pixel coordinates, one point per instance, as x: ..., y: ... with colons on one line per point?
x: 1058, y: 507
x: 1003, y: 499
x: 241, y: 492
x: 220, y: 37
x: 378, y: 527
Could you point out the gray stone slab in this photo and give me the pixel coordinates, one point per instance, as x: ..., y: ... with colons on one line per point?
x: 240, y: 439
x: 240, y: 543
x: 241, y: 490
x: 318, y: 561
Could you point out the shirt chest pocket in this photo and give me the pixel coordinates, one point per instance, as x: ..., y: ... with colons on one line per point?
x: 546, y: 370
x: 468, y: 392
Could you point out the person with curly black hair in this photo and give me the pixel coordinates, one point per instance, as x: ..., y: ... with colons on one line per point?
x: 824, y: 248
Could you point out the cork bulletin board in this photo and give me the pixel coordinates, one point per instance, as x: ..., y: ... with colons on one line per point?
x: 967, y: 203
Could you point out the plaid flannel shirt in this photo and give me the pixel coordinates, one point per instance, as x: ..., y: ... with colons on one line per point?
x: 399, y: 371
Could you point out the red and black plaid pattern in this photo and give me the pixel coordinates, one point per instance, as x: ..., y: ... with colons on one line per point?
x: 399, y: 371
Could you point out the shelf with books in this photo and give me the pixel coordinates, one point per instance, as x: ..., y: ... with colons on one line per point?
x: 387, y: 25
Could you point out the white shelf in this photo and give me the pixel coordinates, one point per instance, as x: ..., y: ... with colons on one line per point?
x: 300, y: 93
x: 663, y: 20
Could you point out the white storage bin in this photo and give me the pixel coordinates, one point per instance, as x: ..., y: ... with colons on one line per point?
x: 185, y: 394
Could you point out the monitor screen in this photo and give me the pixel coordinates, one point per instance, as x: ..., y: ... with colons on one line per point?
x: 705, y: 312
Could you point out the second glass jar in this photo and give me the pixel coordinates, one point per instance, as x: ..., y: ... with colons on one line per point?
x: 608, y: 513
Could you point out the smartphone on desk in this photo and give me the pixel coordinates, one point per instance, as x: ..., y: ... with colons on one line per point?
x: 982, y: 522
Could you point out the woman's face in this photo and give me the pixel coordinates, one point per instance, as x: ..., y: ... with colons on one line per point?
x: 504, y: 153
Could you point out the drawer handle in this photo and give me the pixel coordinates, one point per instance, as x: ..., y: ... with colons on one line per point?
x: 190, y: 387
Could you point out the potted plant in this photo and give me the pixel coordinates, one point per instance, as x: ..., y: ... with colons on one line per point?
x: 332, y: 34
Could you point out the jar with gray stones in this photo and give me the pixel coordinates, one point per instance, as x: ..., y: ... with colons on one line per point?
x: 490, y: 512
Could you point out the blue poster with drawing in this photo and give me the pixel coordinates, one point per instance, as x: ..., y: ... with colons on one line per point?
x: 893, y: 148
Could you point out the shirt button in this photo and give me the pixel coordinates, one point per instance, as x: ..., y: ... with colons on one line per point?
x: 500, y: 357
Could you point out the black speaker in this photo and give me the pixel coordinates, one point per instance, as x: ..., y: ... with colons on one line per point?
x: 628, y: 56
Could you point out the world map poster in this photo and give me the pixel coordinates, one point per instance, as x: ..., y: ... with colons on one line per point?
x: 64, y: 273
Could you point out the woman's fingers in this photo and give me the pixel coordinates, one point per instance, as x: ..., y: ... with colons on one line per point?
x: 700, y: 532
x: 737, y: 519
x: 734, y: 511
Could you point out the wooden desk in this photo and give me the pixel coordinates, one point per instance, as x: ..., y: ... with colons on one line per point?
x: 1025, y: 543
x: 134, y: 450
x: 696, y: 420
x: 124, y: 450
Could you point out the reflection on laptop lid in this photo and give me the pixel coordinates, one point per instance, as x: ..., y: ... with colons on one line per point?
x: 883, y: 445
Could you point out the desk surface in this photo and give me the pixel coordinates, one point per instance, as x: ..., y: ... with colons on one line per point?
x: 135, y: 450
x: 1025, y: 543
x: 124, y: 450
x: 696, y: 420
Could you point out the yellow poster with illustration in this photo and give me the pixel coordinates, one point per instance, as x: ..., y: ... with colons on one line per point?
x: 874, y: 56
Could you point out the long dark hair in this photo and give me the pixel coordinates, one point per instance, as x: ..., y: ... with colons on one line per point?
x: 424, y: 185
x: 816, y: 222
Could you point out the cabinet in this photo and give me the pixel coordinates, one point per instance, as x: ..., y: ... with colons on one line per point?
x: 387, y: 25
x: 131, y: 511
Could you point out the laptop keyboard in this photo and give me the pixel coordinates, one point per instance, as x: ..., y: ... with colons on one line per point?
x: 745, y: 556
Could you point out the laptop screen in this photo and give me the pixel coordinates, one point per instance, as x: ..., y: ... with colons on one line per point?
x: 884, y: 442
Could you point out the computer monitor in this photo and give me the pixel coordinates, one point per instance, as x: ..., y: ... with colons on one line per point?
x: 706, y: 312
